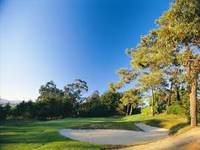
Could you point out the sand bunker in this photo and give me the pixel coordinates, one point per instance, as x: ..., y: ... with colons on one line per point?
x: 121, y: 137
x: 189, y: 140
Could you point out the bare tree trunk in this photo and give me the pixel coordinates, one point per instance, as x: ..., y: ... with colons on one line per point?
x: 170, y: 97
x: 131, y: 110
x: 152, y: 104
x: 127, y: 110
x: 191, y: 72
x: 193, y: 104
x: 169, y: 101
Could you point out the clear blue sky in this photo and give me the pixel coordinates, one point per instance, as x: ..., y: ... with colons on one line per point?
x: 61, y: 40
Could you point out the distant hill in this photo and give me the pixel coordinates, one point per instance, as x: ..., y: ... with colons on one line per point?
x: 11, y: 102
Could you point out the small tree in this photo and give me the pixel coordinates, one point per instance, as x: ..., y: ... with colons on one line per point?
x: 152, y: 82
x: 131, y: 99
x: 110, y: 100
x: 51, y: 96
x: 74, y: 92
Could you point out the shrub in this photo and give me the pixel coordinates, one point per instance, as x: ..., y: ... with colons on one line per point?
x: 3, y: 114
x: 146, y: 110
x: 175, y: 109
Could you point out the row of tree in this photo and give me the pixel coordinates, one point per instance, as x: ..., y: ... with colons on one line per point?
x: 166, y: 63
x: 56, y: 103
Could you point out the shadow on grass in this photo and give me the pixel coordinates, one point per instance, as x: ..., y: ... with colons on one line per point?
x: 33, y: 137
x: 66, y: 122
x: 160, y: 123
x: 109, y: 125
x: 155, y: 122
x: 176, y: 128
x: 49, y: 140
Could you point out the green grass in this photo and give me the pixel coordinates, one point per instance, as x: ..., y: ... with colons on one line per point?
x: 172, y: 122
x: 43, y: 135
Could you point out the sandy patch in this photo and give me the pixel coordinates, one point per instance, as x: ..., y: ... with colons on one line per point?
x: 116, y: 137
x: 189, y: 140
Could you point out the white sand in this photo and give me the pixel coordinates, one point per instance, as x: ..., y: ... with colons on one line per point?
x: 189, y: 140
x: 116, y: 137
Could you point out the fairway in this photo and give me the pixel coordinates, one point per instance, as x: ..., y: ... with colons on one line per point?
x: 33, y: 134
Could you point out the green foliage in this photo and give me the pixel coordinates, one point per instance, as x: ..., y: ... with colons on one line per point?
x: 131, y: 99
x: 179, y: 33
x: 185, y: 102
x: 55, y: 103
x: 111, y: 101
x: 146, y: 110
x: 67, y: 107
x: 76, y: 89
x: 160, y: 102
x: 52, y: 102
x: 175, y: 109
x: 121, y: 109
x: 24, y: 110
x: 98, y: 106
x: 4, y: 111
x: 170, y: 55
x: 50, y: 91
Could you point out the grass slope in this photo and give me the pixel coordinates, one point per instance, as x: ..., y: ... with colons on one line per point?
x: 43, y: 135
x: 175, y: 123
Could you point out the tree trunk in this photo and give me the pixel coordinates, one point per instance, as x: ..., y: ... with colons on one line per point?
x: 131, y: 110
x: 169, y: 101
x: 193, y: 104
x: 170, y: 97
x: 193, y: 74
x: 127, y: 110
x: 152, y: 103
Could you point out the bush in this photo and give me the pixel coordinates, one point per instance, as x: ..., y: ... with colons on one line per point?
x: 175, y: 109
x: 146, y: 110
x: 3, y: 114
x: 4, y: 111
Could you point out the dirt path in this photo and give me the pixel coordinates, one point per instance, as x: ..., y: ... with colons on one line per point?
x: 116, y: 137
x: 186, y: 141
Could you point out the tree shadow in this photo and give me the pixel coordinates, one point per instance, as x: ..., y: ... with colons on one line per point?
x: 176, y: 128
x: 160, y: 123
x: 32, y: 137
x: 155, y: 122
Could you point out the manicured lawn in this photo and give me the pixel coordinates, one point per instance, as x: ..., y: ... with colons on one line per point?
x: 33, y: 134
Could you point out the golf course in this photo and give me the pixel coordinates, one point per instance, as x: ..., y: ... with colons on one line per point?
x: 33, y: 134
x: 99, y: 74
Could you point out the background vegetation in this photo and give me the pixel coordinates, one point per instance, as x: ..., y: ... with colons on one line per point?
x: 55, y: 103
